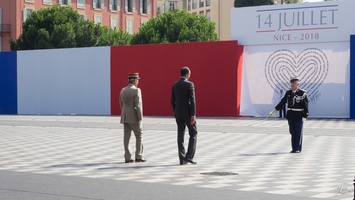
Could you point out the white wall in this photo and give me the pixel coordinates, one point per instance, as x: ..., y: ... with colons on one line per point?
x: 323, y: 69
x: 311, y: 41
x: 64, y: 81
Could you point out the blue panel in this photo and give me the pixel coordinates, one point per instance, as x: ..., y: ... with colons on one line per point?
x: 8, y: 83
x: 352, y: 77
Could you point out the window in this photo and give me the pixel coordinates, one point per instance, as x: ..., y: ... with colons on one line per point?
x: 208, y: 15
x: 129, y: 26
x: 81, y: 4
x: 26, y: 13
x: 189, y: 5
x: 130, y: 6
x: 65, y: 2
x: 144, y: 6
x: 143, y: 21
x: 194, y: 4
x: 202, y: 13
x: 172, y: 6
x: 115, y: 5
x: 202, y: 3
x: 98, y: 19
x: 208, y: 2
x: 114, y: 22
x: 98, y: 4
x: 84, y: 16
x: 47, y: 2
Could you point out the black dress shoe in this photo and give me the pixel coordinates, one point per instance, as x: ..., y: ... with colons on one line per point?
x: 183, y: 163
x: 141, y: 160
x: 191, y: 161
x: 128, y: 161
x: 298, y: 151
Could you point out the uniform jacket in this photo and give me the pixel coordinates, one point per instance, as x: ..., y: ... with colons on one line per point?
x: 297, y: 100
x: 131, y: 105
x: 183, y: 99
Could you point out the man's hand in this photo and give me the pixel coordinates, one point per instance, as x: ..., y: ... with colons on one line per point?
x: 193, y: 120
x: 273, y: 113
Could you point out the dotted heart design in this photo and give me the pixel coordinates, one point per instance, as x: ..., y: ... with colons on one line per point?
x: 311, y: 66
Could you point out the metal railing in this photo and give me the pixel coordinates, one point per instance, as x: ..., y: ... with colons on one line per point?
x: 5, y: 28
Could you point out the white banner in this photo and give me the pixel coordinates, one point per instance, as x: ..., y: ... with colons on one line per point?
x: 330, y: 21
x: 323, y: 69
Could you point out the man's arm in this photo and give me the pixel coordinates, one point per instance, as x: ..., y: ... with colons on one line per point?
x: 282, y: 102
x: 172, y: 99
x: 305, y: 105
x: 138, y: 104
x: 192, y: 101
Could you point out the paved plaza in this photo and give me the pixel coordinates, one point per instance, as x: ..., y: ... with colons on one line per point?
x: 255, y: 151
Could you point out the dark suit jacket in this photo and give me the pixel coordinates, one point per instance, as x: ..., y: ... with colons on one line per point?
x: 183, y: 99
x: 298, y: 100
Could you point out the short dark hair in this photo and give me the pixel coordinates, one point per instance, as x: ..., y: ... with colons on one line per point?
x: 184, y: 71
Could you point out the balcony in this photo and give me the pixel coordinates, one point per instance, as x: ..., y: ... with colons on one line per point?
x: 5, y: 28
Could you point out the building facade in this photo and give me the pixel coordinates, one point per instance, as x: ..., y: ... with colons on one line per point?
x: 126, y: 14
x: 218, y: 11
x: 166, y: 5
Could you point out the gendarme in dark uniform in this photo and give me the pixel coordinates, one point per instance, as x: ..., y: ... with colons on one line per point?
x: 297, y: 109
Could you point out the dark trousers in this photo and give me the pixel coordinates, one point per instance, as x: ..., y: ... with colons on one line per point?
x: 182, y: 123
x: 283, y: 111
x: 296, y: 127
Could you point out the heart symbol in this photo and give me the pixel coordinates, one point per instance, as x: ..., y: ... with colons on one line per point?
x: 310, y: 66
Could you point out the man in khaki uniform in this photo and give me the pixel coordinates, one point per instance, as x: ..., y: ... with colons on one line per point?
x: 131, y: 117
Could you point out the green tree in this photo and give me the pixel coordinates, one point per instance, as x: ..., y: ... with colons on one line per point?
x: 176, y: 26
x: 245, y: 3
x: 63, y: 27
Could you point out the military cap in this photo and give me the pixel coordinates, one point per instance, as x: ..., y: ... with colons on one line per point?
x: 293, y: 79
x: 133, y: 76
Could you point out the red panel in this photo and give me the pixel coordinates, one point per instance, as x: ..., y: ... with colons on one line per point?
x: 215, y: 71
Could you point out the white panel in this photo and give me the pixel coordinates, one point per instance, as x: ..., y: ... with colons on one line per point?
x: 28, y: 83
x: 73, y: 81
x: 98, y: 89
x: 328, y: 21
x: 50, y: 63
x: 64, y: 81
x: 323, y: 69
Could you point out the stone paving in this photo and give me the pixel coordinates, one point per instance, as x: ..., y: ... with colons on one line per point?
x: 254, y: 149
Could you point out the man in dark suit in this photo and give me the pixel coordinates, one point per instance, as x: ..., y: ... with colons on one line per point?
x: 184, y: 106
x: 297, y: 112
